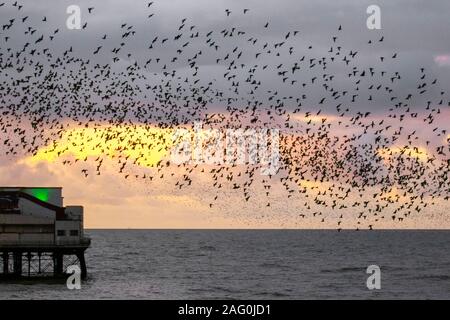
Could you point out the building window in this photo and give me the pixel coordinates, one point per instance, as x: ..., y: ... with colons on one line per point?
x: 61, y: 233
x: 74, y: 233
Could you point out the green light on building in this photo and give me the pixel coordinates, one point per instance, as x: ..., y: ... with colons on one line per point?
x: 41, y: 194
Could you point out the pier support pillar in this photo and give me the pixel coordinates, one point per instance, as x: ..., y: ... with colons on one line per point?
x: 5, y: 262
x: 29, y: 256
x: 17, y: 256
x: 80, y: 256
x: 39, y: 262
x: 58, y: 263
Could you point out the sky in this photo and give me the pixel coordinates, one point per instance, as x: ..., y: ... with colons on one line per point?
x: 416, y: 31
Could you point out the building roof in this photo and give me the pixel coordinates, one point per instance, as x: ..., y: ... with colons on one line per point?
x: 16, y: 187
x: 59, y: 211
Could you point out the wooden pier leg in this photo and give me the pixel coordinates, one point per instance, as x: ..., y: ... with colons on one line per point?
x: 39, y: 264
x: 17, y: 263
x: 58, y: 263
x: 5, y: 262
x: 83, y: 267
x: 29, y: 263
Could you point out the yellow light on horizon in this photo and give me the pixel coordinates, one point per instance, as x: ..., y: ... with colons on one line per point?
x: 146, y: 145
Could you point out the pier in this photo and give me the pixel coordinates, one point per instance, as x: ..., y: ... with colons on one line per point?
x: 36, y: 261
x: 39, y: 237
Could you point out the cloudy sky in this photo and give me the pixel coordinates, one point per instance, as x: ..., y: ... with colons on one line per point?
x: 415, y: 31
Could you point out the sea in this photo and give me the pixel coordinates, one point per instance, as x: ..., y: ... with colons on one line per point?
x: 255, y: 264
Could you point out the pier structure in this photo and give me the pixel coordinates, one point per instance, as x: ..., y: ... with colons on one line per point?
x: 38, y: 235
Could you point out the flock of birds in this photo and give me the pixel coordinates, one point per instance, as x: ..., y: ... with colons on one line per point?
x: 334, y: 154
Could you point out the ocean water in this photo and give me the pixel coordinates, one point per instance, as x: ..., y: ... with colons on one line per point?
x: 262, y: 264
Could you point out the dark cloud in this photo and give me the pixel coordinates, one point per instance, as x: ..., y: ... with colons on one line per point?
x: 416, y: 32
